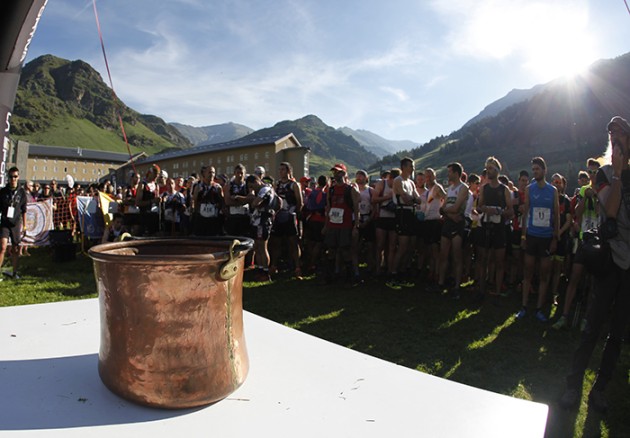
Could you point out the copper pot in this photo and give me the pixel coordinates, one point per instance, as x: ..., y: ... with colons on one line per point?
x: 172, y: 319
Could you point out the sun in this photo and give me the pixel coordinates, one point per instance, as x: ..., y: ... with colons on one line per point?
x: 559, y: 48
x: 561, y: 60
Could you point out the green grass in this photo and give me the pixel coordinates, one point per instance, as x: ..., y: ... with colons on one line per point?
x: 480, y: 346
x: 72, y: 132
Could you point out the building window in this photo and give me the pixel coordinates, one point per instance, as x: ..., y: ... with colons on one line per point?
x: 175, y: 165
x: 255, y: 155
x: 266, y: 154
x: 34, y: 168
x: 55, y: 168
x: 84, y: 171
x: 74, y: 170
x: 185, y: 165
x: 45, y: 167
x: 209, y: 161
x: 219, y: 160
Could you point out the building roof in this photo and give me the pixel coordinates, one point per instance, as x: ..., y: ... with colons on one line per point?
x: 78, y: 153
x: 234, y: 144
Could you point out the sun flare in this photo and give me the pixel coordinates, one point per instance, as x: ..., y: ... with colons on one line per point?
x: 559, y: 47
x: 560, y: 56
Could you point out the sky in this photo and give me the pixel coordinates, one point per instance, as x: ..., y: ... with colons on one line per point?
x: 403, y: 69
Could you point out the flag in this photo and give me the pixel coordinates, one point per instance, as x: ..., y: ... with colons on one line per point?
x: 109, y: 206
x: 90, y: 217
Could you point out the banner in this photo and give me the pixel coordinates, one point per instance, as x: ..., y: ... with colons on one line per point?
x: 39, y: 221
x: 90, y: 217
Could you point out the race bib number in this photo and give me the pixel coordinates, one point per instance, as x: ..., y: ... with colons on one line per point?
x: 208, y: 210
x: 541, y: 217
x: 239, y: 210
x: 336, y: 215
x: 11, y: 213
x: 169, y: 215
x: 132, y: 209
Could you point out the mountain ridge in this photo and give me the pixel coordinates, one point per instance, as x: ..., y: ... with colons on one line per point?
x: 54, y: 93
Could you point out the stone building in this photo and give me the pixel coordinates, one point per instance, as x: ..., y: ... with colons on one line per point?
x: 42, y: 163
x: 268, y: 152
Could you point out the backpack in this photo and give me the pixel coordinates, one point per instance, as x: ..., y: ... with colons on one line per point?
x: 316, y: 201
x: 275, y: 202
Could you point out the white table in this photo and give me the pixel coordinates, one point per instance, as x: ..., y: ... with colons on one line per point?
x: 298, y: 385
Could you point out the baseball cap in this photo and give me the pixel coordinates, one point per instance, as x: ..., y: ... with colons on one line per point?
x: 362, y: 172
x: 259, y: 170
x: 621, y: 122
x: 305, y: 179
x: 340, y: 167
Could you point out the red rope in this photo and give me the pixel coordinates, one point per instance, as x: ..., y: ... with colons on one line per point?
x: 111, y: 84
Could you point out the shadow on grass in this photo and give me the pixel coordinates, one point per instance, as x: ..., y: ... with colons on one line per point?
x: 482, y: 346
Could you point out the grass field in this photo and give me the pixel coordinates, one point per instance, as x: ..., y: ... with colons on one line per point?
x: 479, y: 346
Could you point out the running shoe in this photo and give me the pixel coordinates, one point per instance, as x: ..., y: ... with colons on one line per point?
x: 540, y: 316
x: 521, y: 313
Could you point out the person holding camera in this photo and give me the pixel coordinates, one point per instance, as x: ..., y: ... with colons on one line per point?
x: 610, y: 293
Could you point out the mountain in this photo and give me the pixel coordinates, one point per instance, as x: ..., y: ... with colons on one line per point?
x: 212, y: 134
x: 376, y: 144
x: 564, y: 121
x: 327, y: 144
x: 513, y: 97
x: 66, y: 103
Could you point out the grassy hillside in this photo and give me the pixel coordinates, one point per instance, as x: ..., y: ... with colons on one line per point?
x: 71, y: 132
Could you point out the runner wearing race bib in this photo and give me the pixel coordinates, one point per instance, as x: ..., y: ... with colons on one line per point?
x: 208, y: 204
x: 262, y: 200
x: 343, y: 200
x: 174, y: 206
x: 539, y: 236
x: 237, y: 222
x: 453, y: 228
x: 495, y: 206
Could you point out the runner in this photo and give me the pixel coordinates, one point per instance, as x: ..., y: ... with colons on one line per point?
x: 453, y: 228
x: 495, y: 205
x: 262, y: 200
x: 342, y: 201
x: 207, y: 205
x: 539, y: 235
x: 237, y: 221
